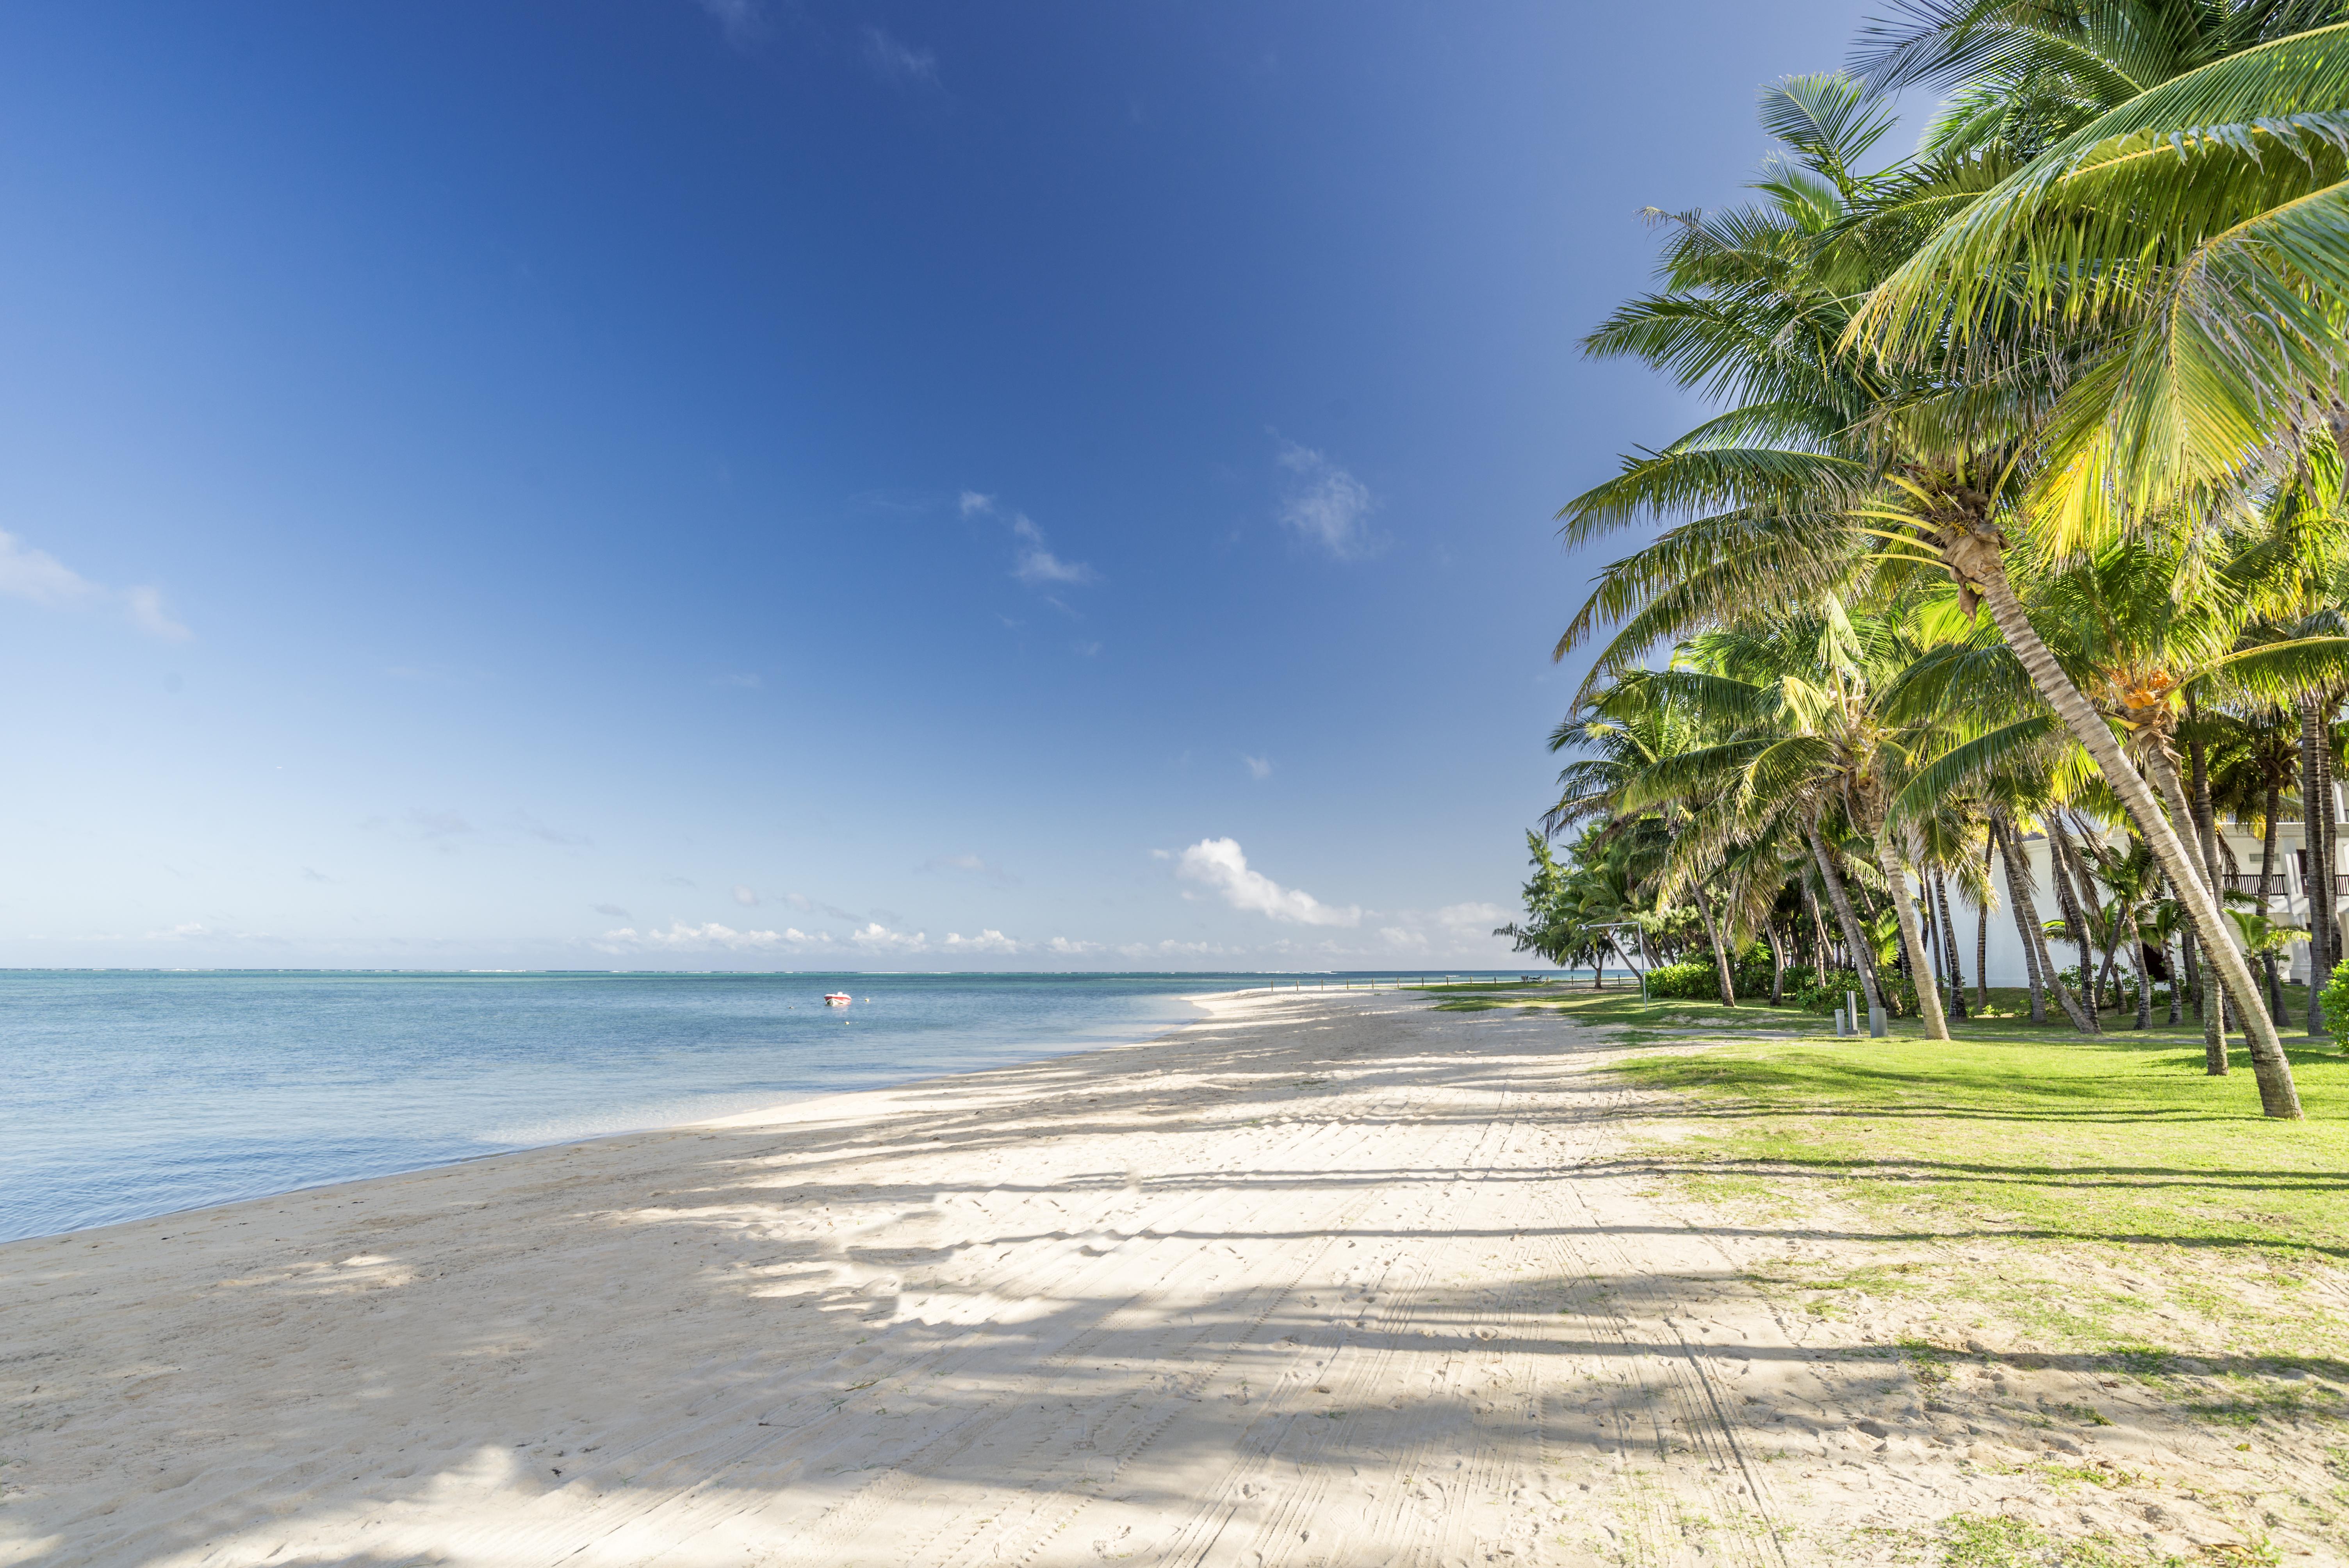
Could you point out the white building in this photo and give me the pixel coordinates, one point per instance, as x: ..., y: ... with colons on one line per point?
x: 2287, y: 902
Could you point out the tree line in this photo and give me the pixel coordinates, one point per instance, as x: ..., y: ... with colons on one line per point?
x: 2021, y: 516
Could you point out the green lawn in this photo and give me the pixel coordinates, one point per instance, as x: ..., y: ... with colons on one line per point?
x: 2095, y: 1191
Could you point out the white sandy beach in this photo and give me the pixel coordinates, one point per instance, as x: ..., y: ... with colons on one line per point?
x: 1322, y: 1279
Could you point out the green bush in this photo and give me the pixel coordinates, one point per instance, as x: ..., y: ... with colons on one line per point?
x: 1689, y: 982
x: 2335, y: 999
x: 1825, y: 993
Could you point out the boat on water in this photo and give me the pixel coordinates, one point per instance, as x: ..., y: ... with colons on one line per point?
x: 836, y: 998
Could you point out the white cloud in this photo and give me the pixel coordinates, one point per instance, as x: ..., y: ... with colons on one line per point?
x: 879, y: 938
x: 747, y: 897
x: 989, y: 940
x: 712, y: 935
x: 1220, y: 864
x: 1326, y: 505
x: 898, y: 62
x: 974, y: 503
x: 1478, y: 917
x: 1035, y: 565
x: 40, y: 578
x: 1258, y: 766
x: 1068, y: 949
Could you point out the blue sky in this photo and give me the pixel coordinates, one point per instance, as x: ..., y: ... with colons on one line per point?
x: 734, y: 484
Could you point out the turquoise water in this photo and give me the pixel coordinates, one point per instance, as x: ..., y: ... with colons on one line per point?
x: 124, y: 1095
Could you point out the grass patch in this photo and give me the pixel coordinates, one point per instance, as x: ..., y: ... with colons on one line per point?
x: 2189, y: 1203
x: 2003, y: 1540
x: 2119, y: 1138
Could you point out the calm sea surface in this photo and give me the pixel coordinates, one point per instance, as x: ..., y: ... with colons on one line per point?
x: 128, y: 1094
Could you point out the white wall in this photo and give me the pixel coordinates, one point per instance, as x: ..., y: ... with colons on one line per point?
x: 2007, y: 966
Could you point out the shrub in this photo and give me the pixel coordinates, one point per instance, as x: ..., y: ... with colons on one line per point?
x: 1825, y: 993
x: 1690, y: 981
x: 2335, y: 999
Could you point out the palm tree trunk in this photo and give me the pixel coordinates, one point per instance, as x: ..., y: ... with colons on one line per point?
x: 1981, y: 934
x: 2329, y: 838
x: 2269, y: 809
x: 1713, y: 936
x: 2313, y: 858
x: 1913, y: 942
x: 1778, y: 963
x: 1862, y: 960
x: 2220, y: 996
x: 2176, y: 974
x: 1981, y: 564
x: 1949, y: 944
x: 2028, y: 925
x: 2062, y: 860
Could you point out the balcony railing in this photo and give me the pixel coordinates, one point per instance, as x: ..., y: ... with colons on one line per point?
x: 2248, y: 881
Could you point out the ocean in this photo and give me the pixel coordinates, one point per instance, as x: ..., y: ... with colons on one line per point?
x: 125, y: 1094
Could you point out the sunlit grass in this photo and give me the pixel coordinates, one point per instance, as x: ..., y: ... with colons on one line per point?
x: 2117, y: 1152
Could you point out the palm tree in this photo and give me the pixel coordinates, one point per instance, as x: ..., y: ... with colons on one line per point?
x: 1803, y: 734
x: 1623, y: 743
x: 2186, y: 239
x: 1832, y: 472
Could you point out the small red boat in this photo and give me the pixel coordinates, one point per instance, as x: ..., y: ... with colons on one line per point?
x: 836, y: 998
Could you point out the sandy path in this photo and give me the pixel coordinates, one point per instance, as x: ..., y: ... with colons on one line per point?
x: 1320, y: 1281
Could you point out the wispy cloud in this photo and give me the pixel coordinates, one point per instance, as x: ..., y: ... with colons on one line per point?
x: 1325, y: 505
x: 40, y: 578
x: 899, y: 62
x: 614, y: 911
x: 1064, y: 948
x: 745, y: 896
x: 547, y: 835
x: 1219, y: 864
x: 1258, y: 767
x: 970, y: 866
x: 742, y: 20
x: 1032, y: 559
x: 1036, y: 564
x: 438, y: 824
x: 807, y: 906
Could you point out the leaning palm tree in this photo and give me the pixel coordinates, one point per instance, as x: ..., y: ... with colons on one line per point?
x: 2187, y: 239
